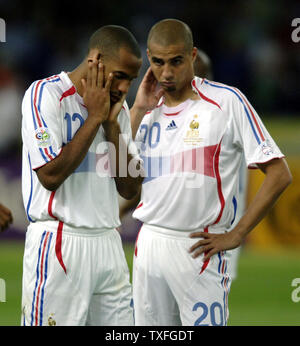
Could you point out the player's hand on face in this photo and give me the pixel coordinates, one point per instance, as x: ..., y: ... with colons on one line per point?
x: 212, y: 243
x: 149, y: 93
x: 5, y: 217
x: 115, y: 109
x: 96, y: 91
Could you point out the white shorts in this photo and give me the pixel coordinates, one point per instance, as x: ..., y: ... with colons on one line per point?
x: 171, y: 288
x: 75, y: 277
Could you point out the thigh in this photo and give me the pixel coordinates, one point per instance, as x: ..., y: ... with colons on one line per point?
x: 154, y: 302
x: 205, y: 298
x: 111, y: 309
x: 111, y: 302
x: 51, y: 296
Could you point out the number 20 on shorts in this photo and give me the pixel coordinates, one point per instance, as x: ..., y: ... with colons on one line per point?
x: 214, y: 313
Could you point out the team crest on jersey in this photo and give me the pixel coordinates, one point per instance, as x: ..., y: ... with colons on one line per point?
x: 266, y: 148
x: 192, y: 135
x: 43, y: 137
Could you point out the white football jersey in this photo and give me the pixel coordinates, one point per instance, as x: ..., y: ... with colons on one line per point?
x: 52, y: 114
x: 192, y: 154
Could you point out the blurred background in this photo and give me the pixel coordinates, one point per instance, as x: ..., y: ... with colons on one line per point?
x: 250, y: 46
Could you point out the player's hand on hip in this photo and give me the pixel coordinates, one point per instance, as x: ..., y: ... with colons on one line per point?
x: 212, y: 243
x: 149, y: 93
x: 96, y: 91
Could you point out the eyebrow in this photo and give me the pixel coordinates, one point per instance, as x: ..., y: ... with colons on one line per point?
x: 125, y: 75
x: 153, y: 58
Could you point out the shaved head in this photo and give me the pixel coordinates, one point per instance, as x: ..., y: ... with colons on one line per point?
x: 171, y: 32
x: 111, y: 38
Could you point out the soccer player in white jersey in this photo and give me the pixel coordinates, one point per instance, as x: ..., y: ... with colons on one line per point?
x: 74, y: 269
x: 193, y: 134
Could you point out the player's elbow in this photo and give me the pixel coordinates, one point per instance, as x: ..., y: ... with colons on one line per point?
x: 129, y: 189
x: 49, y: 182
x: 127, y: 193
x: 286, y: 179
x: 279, y: 173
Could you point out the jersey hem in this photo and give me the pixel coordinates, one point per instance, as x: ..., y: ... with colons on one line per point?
x: 35, y: 168
x: 252, y: 165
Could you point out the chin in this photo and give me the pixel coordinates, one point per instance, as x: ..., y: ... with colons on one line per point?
x: 171, y: 89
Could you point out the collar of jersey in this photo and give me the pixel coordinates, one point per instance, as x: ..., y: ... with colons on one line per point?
x: 69, y: 83
x: 198, y: 82
x: 175, y: 111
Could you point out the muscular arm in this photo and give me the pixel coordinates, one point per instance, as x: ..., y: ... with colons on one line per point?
x: 146, y: 99
x: 130, y: 204
x: 97, y: 100
x: 127, y: 185
x: 136, y: 117
x: 277, y: 178
x: 54, y: 173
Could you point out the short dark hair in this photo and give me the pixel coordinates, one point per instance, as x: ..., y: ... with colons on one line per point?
x: 171, y: 31
x: 110, y: 38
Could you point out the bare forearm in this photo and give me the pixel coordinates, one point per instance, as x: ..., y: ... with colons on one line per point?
x: 130, y: 204
x: 147, y: 97
x: 277, y: 178
x: 136, y: 116
x: 127, y: 184
x: 54, y: 173
x: 274, y: 184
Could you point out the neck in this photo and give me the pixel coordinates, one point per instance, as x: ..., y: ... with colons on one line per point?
x: 76, y: 76
x: 174, y: 98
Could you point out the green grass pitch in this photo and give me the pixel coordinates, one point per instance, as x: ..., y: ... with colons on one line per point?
x: 260, y: 296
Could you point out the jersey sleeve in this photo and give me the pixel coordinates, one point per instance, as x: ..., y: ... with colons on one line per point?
x: 251, y: 135
x: 41, y: 127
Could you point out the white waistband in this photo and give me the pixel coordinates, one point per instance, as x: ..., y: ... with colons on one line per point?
x: 53, y: 226
x: 179, y: 233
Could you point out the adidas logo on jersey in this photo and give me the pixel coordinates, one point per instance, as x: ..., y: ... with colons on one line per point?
x: 171, y: 126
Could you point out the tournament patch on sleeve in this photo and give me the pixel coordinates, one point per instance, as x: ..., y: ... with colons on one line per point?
x: 43, y: 137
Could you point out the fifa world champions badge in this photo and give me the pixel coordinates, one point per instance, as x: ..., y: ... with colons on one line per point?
x: 43, y: 137
x: 192, y: 135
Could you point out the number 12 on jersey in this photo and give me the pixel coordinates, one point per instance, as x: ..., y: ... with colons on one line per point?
x: 71, y: 124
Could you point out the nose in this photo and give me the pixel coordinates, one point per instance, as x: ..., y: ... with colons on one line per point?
x: 167, y: 72
x: 124, y: 86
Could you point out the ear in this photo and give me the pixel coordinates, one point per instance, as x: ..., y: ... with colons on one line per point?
x: 94, y: 55
x: 148, y: 54
x: 194, y: 53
